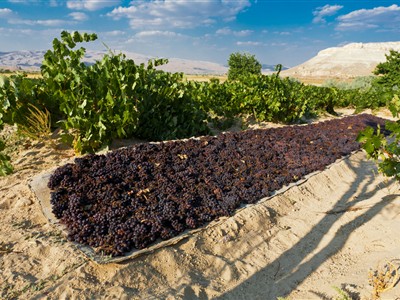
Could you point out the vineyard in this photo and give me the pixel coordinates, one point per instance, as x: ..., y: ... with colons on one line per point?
x: 115, y: 98
x: 193, y: 188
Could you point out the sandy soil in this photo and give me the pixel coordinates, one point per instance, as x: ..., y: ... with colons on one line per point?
x: 330, y: 231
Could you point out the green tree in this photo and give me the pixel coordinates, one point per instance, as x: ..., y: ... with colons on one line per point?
x: 390, y: 70
x: 242, y: 64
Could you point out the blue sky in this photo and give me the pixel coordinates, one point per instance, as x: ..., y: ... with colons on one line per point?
x: 287, y: 32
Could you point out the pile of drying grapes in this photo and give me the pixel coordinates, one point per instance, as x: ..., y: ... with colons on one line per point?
x: 130, y: 197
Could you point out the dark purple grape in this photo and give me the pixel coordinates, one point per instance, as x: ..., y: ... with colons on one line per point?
x: 130, y: 197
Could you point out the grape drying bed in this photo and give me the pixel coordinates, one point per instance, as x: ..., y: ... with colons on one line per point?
x: 130, y: 198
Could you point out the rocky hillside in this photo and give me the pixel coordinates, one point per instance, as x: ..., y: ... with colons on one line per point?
x: 349, y: 61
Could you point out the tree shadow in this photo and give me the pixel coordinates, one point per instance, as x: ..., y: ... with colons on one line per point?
x: 290, y: 269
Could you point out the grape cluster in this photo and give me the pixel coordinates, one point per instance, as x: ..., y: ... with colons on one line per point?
x: 129, y: 198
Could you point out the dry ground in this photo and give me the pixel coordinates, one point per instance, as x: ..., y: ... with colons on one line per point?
x: 329, y: 231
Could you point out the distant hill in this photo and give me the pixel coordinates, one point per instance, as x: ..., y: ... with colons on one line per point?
x: 349, y: 61
x: 32, y: 60
x: 21, y: 60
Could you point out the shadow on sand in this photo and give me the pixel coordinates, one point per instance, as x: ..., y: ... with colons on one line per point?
x: 289, y: 270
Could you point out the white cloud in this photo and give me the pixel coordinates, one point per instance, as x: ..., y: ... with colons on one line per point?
x: 12, y: 39
x: 178, y: 13
x: 114, y: 33
x: 5, y: 12
x: 54, y: 22
x: 79, y: 16
x: 91, y: 4
x: 224, y: 31
x: 51, y: 23
x: 121, y: 12
x: 282, y: 32
x: 243, y: 32
x: 278, y: 44
x: 228, y: 31
x: 378, y: 17
x: 52, y: 3
x: 23, y: 1
x: 248, y: 43
x: 152, y: 33
x: 345, y: 26
x: 325, y: 11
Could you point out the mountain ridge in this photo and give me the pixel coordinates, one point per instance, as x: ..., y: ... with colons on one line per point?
x: 31, y: 60
x: 349, y: 61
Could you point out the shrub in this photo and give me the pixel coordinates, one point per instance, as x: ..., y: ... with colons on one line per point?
x: 115, y: 98
x: 242, y: 64
x: 389, y: 70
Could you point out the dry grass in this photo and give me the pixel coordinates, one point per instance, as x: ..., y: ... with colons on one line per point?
x: 318, y: 81
x: 304, y: 79
x: 203, y: 78
x: 37, y: 123
x: 383, y: 279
